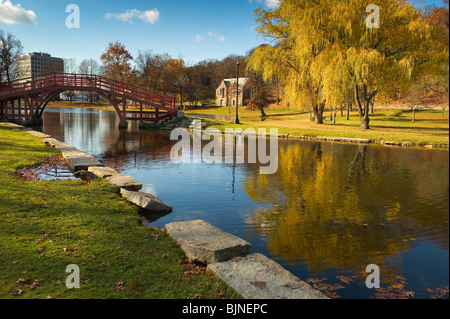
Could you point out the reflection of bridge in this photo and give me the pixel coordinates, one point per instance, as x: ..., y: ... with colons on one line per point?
x: 26, y: 99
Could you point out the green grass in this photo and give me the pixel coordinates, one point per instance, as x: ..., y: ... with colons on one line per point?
x: 47, y: 225
x: 430, y: 127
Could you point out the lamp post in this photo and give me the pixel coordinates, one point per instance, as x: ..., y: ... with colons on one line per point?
x: 236, y: 120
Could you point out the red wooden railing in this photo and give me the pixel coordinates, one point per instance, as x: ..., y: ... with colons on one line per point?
x: 121, y: 92
x: 82, y: 81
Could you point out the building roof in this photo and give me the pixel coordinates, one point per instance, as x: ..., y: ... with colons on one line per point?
x: 242, y: 81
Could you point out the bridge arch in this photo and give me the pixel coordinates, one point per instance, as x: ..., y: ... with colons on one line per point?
x: 26, y: 99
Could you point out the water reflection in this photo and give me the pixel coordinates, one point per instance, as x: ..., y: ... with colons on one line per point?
x: 330, y: 210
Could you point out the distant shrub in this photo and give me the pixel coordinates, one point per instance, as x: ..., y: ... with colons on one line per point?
x: 394, y: 113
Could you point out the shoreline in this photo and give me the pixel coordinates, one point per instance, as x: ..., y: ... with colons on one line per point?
x: 334, y: 136
x: 337, y: 139
x: 231, y: 256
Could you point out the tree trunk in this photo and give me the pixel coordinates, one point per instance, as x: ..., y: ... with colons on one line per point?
x: 363, y: 100
x: 263, y: 114
x: 365, y: 122
x: 181, y: 99
x: 318, y: 113
x: 414, y: 115
x: 348, y: 111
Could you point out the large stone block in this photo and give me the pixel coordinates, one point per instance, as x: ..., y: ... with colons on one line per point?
x: 124, y: 181
x: 146, y: 201
x: 205, y: 243
x: 258, y: 277
x: 81, y: 161
x: 103, y: 172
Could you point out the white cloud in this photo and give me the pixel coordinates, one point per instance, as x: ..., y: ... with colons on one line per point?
x: 15, y: 14
x: 269, y: 3
x: 273, y: 3
x: 149, y: 16
x: 197, y: 38
x: 219, y: 37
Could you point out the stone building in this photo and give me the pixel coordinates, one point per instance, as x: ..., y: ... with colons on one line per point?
x: 226, y: 92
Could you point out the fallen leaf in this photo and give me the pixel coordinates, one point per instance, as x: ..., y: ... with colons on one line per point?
x: 119, y: 286
x: 259, y: 284
x: 344, y: 279
x: 19, y: 281
x: 17, y: 292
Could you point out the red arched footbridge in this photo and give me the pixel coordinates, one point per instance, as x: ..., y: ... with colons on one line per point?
x: 25, y: 99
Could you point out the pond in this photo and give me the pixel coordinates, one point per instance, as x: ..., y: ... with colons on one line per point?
x: 329, y: 211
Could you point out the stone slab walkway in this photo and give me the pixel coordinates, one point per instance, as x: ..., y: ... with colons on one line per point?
x: 253, y: 276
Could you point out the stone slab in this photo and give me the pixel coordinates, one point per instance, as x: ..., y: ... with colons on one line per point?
x: 103, y: 172
x: 258, y: 277
x: 124, y: 181
x: 35, y: 133
x: 81, y: 162
x: 203, y: 242
x: 146, y: 201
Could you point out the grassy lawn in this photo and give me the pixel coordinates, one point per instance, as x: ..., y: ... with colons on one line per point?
x: 47, y: 225
x: 429, y: 128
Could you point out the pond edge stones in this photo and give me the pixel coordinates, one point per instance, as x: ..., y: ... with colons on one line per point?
x: 205, y: 243
x: 254, y: 276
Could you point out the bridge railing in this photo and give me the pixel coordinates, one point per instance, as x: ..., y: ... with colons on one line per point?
x: 83, y: 81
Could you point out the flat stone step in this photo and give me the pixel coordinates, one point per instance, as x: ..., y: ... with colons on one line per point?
x: 146, y: 201
x: 81, y: 162
x: 103, y: 172
x: 124, y: 181
x: 203, y: 242
x: 258, y: 277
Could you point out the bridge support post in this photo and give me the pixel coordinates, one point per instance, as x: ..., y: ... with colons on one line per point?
x: 123, y: 124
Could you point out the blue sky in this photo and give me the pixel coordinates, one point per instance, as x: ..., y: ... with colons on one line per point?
x: 194, y: 30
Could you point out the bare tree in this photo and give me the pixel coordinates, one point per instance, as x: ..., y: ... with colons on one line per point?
x: 70, y: 66
x: 10, y: 49
x: 90, y: 67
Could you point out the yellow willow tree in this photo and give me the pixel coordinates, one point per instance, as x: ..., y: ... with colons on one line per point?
x: 294, y: 29
x: 326, y: 49
x: 372, y: 49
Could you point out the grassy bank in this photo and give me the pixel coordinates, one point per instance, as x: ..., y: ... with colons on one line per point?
x: 386, y: 125
x: 47, y: 225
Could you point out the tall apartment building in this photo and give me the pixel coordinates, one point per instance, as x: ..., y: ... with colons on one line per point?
x: 37, y: 63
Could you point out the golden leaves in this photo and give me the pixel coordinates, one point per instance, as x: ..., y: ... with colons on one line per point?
x: 439, y: 293
x: 328, y: 289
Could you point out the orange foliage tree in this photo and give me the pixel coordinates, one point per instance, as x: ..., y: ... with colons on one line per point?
x: 116, y: 62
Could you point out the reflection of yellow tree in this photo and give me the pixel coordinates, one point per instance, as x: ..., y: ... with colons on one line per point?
x: 339, y: 206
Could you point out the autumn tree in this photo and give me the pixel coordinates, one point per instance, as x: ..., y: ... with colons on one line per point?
x: 176, y: 75
x: 437, y: 81
x: 151, y: 68
x: 295, y: 45
x: 327, y: 46
x: 370, y: 60
x: 116, y: 62
x: 261, y: 93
